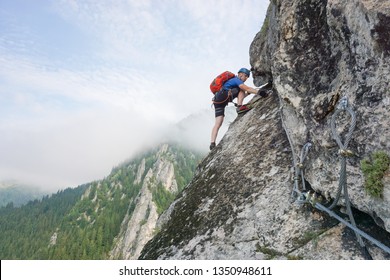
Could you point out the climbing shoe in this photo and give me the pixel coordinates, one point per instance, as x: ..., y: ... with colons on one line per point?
x: 242, y: 109
x: 212, y: 146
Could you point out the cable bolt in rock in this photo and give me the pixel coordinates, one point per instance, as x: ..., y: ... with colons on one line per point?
x: 312, y: 198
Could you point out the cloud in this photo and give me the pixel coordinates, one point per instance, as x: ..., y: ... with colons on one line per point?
x: 194, y: 131
x: 29, y: 84
x: 73, y: 150
x: 121, y: 73
x: 165, y: 30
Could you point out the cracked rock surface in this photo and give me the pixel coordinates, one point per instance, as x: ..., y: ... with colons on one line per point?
x: 238, y: 206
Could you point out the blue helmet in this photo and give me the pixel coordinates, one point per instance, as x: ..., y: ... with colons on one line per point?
x: 245, y: 71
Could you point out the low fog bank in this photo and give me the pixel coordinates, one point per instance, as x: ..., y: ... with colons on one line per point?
x: 57, y: 155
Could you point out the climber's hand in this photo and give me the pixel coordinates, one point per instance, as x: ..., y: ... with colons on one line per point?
x: 262, y: 93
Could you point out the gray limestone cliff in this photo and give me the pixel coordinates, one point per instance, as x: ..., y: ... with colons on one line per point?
x: 318, y: 52
x: 139, y: 225
x: 239, y: 203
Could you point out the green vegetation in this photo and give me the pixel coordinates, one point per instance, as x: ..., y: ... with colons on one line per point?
x: 19, y: 195
x: 309, y: 236
x: 26, y: 231
x: 272, y: 253
x: 294, y: 258
x: 184, y: 164
x: 88, y: 231
x: 162, y: 198
x: 82, y: 223
x: 265, y: 26
x: 374, y: 168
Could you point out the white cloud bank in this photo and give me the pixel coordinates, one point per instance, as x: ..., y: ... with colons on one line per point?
x: 86, y: 84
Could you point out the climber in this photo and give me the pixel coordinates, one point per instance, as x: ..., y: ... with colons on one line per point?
x: 231, y: 89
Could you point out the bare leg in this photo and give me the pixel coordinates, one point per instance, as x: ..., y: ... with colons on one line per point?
x: 240, y: 97
x: 217, y: 126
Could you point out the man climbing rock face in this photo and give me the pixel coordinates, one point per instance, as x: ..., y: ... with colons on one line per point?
x: 231, y: 89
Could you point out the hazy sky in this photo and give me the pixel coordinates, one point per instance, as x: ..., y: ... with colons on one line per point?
x: 85, y: 84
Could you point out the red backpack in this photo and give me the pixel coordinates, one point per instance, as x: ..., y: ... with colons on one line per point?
x: 218, y: 82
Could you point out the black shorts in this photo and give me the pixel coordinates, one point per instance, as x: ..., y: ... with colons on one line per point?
x: 222, y: 99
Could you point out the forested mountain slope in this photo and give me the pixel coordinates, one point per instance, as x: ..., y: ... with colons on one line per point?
x: 85, y: 222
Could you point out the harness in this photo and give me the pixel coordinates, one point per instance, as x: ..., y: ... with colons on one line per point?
x: 229, y: 95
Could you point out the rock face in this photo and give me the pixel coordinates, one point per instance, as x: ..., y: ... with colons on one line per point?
x: 239, y: 204
x: 317, y: 52
x: 139, y: 227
